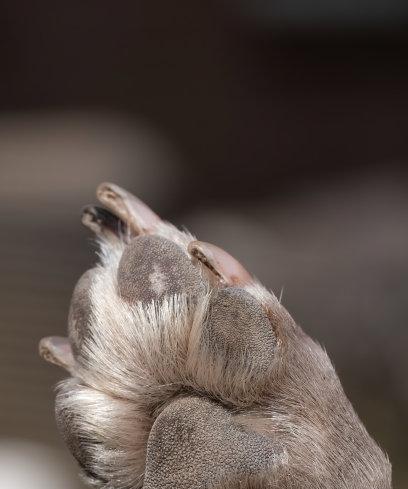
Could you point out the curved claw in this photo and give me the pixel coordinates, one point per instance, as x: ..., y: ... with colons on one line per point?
x: 57, y: 350
x: 137, y: 215
x: 228, y: 270
x: 102, y: 222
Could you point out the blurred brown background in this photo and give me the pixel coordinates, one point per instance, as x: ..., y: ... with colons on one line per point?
x: 277, y: 129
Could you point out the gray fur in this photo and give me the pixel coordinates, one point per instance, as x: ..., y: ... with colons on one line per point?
x: 181, y: 382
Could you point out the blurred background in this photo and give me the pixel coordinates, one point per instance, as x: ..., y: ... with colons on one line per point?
x: 276, y: 129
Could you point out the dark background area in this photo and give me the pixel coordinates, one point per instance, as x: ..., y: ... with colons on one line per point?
x: 275, y: 129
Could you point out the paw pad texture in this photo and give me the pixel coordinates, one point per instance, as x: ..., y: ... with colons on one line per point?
x: 153, y: 267
x: 196, y: 443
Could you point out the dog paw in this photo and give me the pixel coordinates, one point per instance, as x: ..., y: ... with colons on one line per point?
x: 187, y: 372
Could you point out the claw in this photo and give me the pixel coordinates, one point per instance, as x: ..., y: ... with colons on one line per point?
x: 57, y: 350
x: 228, y: 270
x: 137, y: 215
x: 102, y: 222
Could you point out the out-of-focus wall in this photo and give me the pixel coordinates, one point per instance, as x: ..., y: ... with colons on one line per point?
x: 281, y: 138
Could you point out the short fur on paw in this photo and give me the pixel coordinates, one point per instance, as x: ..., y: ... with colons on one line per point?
x: 186, y: 372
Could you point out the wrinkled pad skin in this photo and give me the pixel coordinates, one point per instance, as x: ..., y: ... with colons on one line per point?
x: 152, y: 267
x: 239, y: 328
x: 221, y: 446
